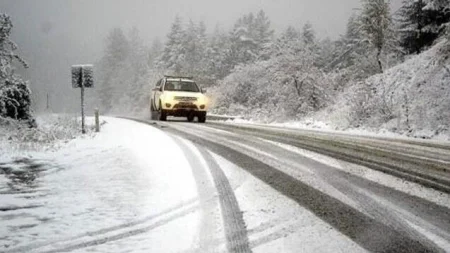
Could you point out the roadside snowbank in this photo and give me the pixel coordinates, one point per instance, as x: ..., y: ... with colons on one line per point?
x: 124, y: 182
x: 53, y: 130
x: 325, y: 127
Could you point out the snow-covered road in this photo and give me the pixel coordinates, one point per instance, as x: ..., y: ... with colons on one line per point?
x: 179, y: 187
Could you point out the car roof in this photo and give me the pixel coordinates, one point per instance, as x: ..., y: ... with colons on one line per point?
x: 180, y: 79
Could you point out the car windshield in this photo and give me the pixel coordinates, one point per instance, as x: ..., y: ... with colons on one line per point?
x: 181, y: 86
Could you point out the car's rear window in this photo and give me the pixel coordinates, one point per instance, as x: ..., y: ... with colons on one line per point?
x: 181, y: 86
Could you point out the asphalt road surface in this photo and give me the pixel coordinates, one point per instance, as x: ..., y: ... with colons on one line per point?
x: 348, y: 182
x: 150, y: 186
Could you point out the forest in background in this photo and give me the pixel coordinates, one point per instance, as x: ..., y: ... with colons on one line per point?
x: 266, y: 75
x: 253, y: 71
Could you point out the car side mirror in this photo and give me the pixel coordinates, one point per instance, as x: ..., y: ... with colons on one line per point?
x: 156, y: 89
x: 204, y: 90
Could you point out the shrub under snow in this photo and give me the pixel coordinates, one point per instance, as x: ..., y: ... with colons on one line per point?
x: 51, y: 131
x: 412, y: 98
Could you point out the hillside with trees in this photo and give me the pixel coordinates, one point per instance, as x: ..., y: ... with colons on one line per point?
x: 388, y: 70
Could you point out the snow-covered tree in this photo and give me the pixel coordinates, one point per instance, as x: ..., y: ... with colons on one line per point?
x: 352, y: 53
x: 250, y: 39
x: 376, y: 26
x: 243, y: 48
x: 155, y: 51
x: 441, y: 19
x: 437, y: 5
x: 216, y: 55
x: 290, y: 34
x: 308, y: 34
x: 174, y: 53
x: 15, y: 95
x: 113, y: 62
x: 263, y: 34
x: 421, y: 23
x: 194, y: 44
x: 288, y: 84
x: 124, y: 73
x: 135, y: 88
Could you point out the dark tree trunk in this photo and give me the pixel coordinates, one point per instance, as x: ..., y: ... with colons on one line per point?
x: 380, y: 65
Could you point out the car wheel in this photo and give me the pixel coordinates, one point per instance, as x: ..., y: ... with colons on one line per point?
x: 202, y: 118
x: 190, y: 117
x: 152, y: 108
x: 162, y: 113
x: 154, y: 115
x: 163, y: 116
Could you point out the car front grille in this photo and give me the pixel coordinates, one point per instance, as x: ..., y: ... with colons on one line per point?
x: 185, y: 99
x: 185, y: 106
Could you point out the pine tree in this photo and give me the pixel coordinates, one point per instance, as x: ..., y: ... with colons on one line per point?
x: 439, y: 15
x: 155, y: 51
x: 134, y: 97
x: 263, y: 34
x: 111, y: 67
x: 216, y: 55
x: 351, y: 57
x: 250, y: 39
x: 243, y: 48
x: 290, y: 34
x: 352, y: 33
x: 420, y: 24
x: 376, y: 25
x: 174, y: 53
x: 194, y: 44
x: 308, y: 34
x: 15, y: 95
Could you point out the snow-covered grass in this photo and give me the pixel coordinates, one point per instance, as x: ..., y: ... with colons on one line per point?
x: 52, y: 130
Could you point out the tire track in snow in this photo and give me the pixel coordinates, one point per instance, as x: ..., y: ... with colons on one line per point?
x: 235, y: 229
x: 366, y: 194
x: 369, y: 233
x: 209, y: 238
x: 234, y: 225
x: 100, y: 234
x: 414, y: 169
x: 124, y: 234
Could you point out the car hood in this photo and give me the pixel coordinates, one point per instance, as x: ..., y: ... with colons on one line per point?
x: 184, y: 94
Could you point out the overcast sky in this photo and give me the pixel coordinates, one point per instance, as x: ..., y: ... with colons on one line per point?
x: 87, y: 21
x: 65, y: 32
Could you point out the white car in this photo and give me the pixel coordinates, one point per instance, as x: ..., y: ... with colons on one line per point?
x: 179, y: 97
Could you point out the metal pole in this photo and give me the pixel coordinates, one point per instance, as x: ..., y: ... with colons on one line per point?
x: 83, y: 130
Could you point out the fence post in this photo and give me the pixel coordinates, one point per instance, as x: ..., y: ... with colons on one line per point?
x: 97, y: 121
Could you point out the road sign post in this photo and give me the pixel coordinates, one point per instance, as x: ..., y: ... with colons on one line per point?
x: 82, y: 77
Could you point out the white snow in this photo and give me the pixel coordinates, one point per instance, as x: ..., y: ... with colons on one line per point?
x: 131, y: 188
x: 126, y: 174
x: 398, y: 184
x: 278, y: 224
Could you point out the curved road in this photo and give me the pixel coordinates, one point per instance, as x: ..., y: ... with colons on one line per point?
x: 385, y: 195
x: 219, y: 187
